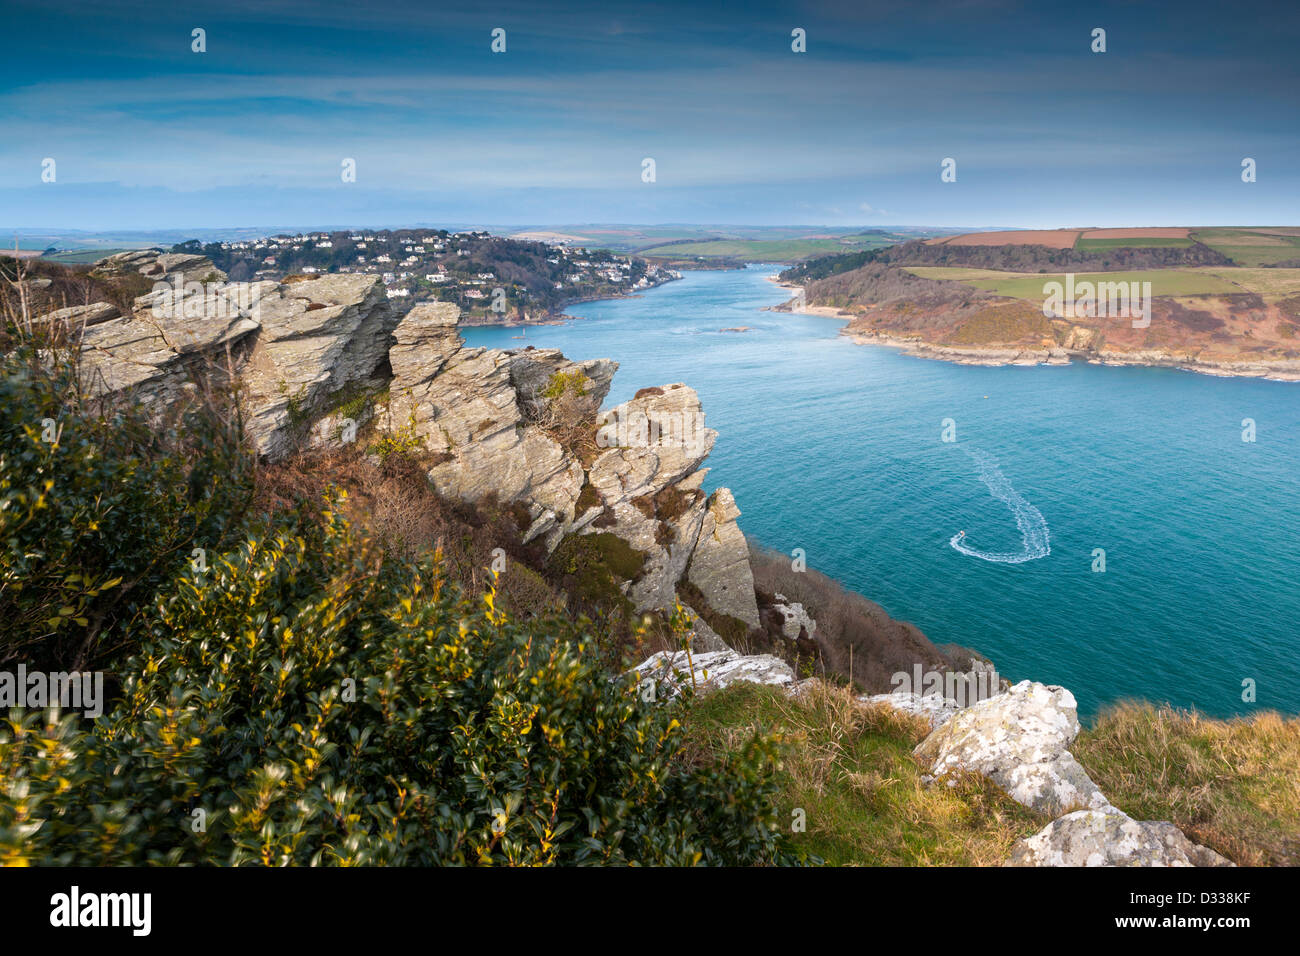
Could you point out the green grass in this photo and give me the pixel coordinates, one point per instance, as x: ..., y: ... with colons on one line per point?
x: 1029, y: 286
x: 1248, y: 247
x: 1228, y: 784
x: 1209, y: 280
x: 1262, y: 281
x: 84, y: 256
x: 1103, y: 245
x: 850, y: 769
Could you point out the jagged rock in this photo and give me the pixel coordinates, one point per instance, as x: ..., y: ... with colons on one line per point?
x: 795, y: 620
x: 203, y: 301
x: 153, y: 357
x: 531, y: 371
x: 469, y: 413
x: 425, y: 339
x: 653, y: 441
x: 1018, y: 739
x: 720, y: 564
x: 75, y: 315
x: 155, y: 264
x: 933, y: 707
x: 306, y: 348
x: 316, y: 339
x: 295, y: 345
x: 1110, y: 838
x: 713, y: 671
x: 656, y: 443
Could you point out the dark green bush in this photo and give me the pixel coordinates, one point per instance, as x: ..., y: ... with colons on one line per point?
x: 98, y: 506
x: 309, y: 702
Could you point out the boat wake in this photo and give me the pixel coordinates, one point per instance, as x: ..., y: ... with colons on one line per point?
x: 1030, y: 521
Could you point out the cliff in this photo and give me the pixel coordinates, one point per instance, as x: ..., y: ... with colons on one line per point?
x: 1240, y: 332
x: 316, y: 359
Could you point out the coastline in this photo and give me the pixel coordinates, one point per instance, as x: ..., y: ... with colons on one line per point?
x: 994, y: 356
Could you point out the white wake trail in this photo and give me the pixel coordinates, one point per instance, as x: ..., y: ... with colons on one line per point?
x: 1030, y: 521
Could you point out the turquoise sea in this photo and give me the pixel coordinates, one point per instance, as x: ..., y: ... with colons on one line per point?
x: 837, y: 448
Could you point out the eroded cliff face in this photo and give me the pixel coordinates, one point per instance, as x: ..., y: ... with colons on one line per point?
x: 491, y: 419
x: 315, y: 358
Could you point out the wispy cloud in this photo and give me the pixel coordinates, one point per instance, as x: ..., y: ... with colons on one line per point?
x: 731, y: 115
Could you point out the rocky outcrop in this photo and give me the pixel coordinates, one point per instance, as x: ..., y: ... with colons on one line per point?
x: 720, y: 564
x: 796, y: 623
x: 935, y: 708
x: 1019, y: 740
x: 295, y: 346
x: 317, y: 340
x: 480, y: 412
x: 1100, y: 838
x: 669, y: 672
x: 158, y: 265
x: 495, y: 424
x: 155, y: 357
x: 78, y: 315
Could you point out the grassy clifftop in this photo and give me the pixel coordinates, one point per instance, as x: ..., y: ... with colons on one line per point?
x: 1228, y: 784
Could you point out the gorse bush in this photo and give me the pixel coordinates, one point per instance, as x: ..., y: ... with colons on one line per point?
x: 304, y: 701
x: 99, y: 505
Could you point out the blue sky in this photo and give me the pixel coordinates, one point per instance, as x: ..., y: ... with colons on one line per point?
x: 148, y: 134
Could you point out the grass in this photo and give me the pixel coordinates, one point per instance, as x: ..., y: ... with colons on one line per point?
x: 961, y: 273
x: 1249, y: 248
x: 1029, y: 286
x: 1231, y: 785
x: 1104, y: 245
x: 1262, y: 281
x: 1207, y: 280
x: 84, y: 256
x: 850, y: 769
x: 764, y: 250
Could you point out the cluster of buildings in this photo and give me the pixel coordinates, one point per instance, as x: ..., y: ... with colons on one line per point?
x: 418, y: 265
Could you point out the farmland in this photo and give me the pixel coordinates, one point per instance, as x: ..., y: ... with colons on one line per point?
x: 1164, y: 282
x: 1246, y: 246
x: 767, y: 250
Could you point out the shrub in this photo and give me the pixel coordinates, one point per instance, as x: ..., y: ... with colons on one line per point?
x: 98, y: 506
x: 309, y: 702
x: 402, y: 443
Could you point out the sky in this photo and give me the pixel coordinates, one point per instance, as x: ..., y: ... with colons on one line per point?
x: 145, y: 133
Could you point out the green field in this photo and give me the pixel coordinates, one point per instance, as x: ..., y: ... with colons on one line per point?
x: 1019, y: 285
x: 1105, y: 245
x: 765, y: 250
x: 83, y: 256
x: 1251, y: 247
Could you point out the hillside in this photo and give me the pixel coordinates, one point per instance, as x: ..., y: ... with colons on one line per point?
x: 536, y: 279
x: 1135, y: 299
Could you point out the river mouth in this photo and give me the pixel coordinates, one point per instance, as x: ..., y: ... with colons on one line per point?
x: 1155, y: 546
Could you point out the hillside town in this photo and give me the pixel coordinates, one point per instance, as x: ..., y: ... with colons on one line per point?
x: 491, y: 278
